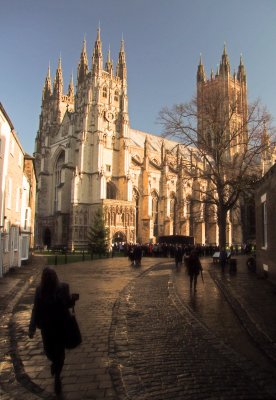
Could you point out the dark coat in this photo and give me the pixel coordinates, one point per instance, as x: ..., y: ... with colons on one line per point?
x: 50, y: 314
x: 178, y: 254
x: 194, y: 265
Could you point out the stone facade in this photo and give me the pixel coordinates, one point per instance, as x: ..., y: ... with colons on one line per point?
x: 87, y: 156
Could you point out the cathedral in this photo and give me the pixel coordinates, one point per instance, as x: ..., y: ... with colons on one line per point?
x: 87, y: 156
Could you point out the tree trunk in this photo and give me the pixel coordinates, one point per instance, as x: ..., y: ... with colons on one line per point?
x: 222, y: 215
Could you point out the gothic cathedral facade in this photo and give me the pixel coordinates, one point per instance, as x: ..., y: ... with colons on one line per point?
x: 87, y: 156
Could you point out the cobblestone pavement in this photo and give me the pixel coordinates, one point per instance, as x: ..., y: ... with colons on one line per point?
x: 145, y: 336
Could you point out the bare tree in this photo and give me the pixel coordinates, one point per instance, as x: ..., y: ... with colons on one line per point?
x: 223, y: 144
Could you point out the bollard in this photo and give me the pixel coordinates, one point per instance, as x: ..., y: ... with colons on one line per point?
x: 65, y: 258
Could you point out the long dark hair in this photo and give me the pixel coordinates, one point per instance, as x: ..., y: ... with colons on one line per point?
x: 49, y: 282
x: 194, y: 255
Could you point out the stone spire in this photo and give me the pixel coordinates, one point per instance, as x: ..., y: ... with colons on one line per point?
x: 212, y: 74
x: 83, y: 64
x: 58, y: 83
x: 241, y: 71
x: 224, y: 68
x: 109, y: 63
x: 47, y: 90
x: 97, y: 58
x: 71, y: 88
x: 146, y: 147
x: 201, y: 77
x: 121, y: 69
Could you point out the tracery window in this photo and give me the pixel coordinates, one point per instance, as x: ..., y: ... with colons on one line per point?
x: 155, y: 213
x: 105, y: 92
x: 57, y: 175
x: 116, y: 95
x: 135, y: 195
x: 173, y: 211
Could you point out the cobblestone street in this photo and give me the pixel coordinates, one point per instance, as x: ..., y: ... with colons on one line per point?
x: 145, y: 336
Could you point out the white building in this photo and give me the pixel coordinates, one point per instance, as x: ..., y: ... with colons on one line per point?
x: 16, y: 222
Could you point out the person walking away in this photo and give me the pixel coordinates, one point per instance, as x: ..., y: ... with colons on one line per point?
x: 178, y: 257
x: 194, y: 268
x: 50, y: 311
x: 138, y: 255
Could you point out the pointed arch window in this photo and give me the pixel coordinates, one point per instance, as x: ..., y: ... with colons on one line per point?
x: 155, y: 213
x: 105, y: 92
x: 116, y: 96
x: 173, y: 203
x: 135, y: 196
x: 58, y: 178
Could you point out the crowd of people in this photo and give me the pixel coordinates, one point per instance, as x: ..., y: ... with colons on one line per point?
x: 168, y: 249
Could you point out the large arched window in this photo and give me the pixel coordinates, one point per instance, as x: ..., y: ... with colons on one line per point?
x: 173, y: 211
x: 154, y: 196
x: 105, y: 92
x: 111, y: 191
x: 58, y: 178
x: 136, y: 196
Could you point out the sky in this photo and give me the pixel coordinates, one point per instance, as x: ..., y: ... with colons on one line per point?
x: 163, y: 42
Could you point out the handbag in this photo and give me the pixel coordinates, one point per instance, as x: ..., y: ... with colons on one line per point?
x: 72, y: 332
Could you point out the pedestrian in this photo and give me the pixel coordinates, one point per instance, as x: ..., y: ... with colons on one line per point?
x: 178, y: 256
x: 137, y: 255
x: 194, y: 268
x: 50, y: 312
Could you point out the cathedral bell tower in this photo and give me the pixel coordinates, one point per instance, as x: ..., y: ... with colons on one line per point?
x: 227, y: 95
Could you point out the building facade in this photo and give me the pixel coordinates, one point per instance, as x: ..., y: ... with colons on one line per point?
x: 265, y: 224
x: 87, y: 156
x: 17, y: 197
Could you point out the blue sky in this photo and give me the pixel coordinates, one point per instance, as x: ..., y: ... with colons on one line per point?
x: 163, y: 42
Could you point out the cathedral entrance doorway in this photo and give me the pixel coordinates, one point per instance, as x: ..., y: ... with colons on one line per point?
x: 119, y: 237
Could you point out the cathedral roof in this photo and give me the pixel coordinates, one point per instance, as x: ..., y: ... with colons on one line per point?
x: 154, y: 141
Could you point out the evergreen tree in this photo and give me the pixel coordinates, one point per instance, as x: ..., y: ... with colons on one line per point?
x: 98, y: 234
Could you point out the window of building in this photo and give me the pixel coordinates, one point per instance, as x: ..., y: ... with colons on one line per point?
x: 26, y: 218
x: 116, y: 95
x: 111, y: 191
x: 105, y: 92
x: 135, y: 196
x: 173, y: 212
x: 155, y: 213
x: 58, y: 177
x: 108, y: 168
x: 264, y: 221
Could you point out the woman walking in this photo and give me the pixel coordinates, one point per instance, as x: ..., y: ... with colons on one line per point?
x: 50, y: 313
